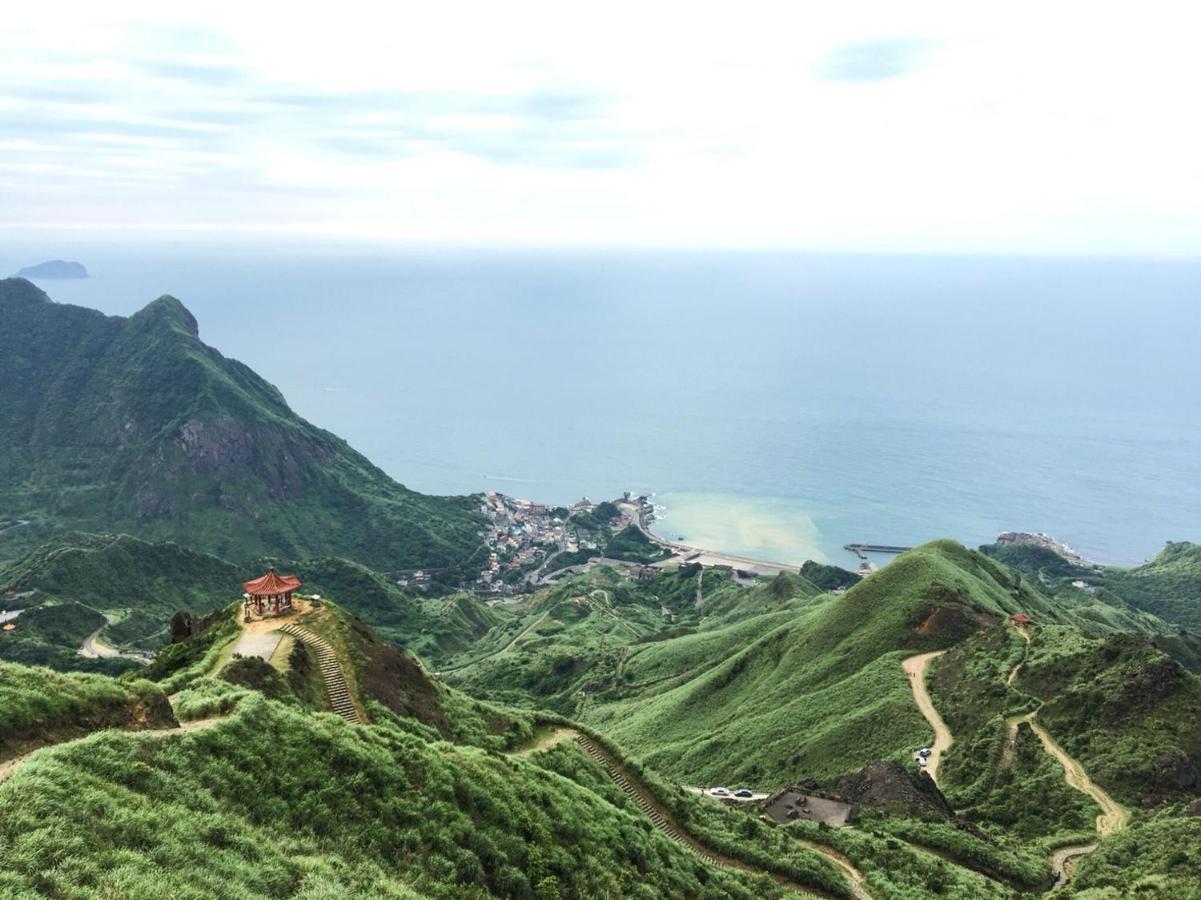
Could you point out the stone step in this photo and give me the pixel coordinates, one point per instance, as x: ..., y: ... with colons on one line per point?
x: 331, y: 672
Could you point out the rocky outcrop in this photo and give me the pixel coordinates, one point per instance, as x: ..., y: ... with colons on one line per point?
x: 1144, y: 686
x: 396, y: 679
x: 894, y: 788
x: 1174, y: 772
x: 185, y: 625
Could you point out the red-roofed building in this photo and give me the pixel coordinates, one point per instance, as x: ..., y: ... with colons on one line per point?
x: 1021, y: 620
x: 272, y: 587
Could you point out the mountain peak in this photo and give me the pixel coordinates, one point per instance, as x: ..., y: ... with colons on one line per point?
x: 21, y: 291
x: 191, y: 444
x: 168, y: 311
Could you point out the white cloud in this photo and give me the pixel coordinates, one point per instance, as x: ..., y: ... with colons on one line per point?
x: 1060, y: 128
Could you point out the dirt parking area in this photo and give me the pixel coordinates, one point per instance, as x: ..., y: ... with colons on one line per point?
x: 792, y: 806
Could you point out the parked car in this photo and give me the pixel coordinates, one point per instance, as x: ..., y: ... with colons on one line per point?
x: 719, y: 792
x: 743, y: 792
x: 925, y: 751
x: 921, y: 761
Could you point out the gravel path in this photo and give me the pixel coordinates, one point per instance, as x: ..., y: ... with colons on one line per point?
x: 915, y: 668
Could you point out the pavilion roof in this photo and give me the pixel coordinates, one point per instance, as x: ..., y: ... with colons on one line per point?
x: 1021, y: 619
x: 271, y: 584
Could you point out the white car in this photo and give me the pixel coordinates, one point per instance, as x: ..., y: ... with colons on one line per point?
x: 719, y: 792
x: 921, y: 761
x: 925, y: 751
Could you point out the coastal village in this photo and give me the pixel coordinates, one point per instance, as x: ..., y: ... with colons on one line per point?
x: 524, y: 535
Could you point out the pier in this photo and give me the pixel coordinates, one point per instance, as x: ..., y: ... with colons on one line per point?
x: 862, y: 550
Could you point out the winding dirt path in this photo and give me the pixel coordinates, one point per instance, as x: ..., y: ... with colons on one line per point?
x: 8, y: 767
x: 1025, y: 633
x: 1063, y: 860
x: 666, y: 823
x: 915, y: 668
x: 1113, y: 817
x: 548, y: 740
x: 505, y: 649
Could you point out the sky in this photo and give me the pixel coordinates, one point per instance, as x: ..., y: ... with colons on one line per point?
x: 1052, y: 128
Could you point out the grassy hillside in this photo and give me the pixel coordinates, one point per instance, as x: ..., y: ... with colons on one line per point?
x: 1168, y: 586
x: 816, y: 695
x: 143, y: 583
x: 274, y: 798
x: 66, y: 585
x: 1129, y: 713
x: 584, y: 638
x: 134, y: 425
x: 632, y: 544
x: 277, y: 802
x: 39, y: 706
x: 765, y: 684
x: 429, y: 627
x: 1159, y: 857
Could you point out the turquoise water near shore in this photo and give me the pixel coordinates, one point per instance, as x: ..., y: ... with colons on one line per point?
x: 778, y: 405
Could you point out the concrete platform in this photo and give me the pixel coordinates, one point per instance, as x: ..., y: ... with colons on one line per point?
x: 260, y: 645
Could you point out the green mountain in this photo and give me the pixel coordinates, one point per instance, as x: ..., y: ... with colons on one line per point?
x: 764, y: 684
x: 134, y: 584
x: 262, y: 793
x: 686, y: 678
x: 131, y: 589
x: 1169, y: 586
x: 134, y: 425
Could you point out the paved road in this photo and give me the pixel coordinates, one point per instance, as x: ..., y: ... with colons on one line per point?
x: 704, y: 792
x: 716, y: 557
x: 93, y: 647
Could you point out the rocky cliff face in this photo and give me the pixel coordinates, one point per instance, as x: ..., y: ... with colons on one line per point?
x: 115, y: 424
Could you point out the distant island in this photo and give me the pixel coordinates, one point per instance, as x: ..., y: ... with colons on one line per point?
x: 54, y: 268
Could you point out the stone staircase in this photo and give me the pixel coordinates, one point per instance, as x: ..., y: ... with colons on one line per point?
x: 639, y: 797
x: 331, y: 672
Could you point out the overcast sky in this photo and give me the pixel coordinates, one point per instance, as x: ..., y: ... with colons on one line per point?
x: 1048, y: 127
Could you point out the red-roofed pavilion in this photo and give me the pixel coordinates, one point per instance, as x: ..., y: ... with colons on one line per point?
x: 270, y: 588
x: 1020, y: 619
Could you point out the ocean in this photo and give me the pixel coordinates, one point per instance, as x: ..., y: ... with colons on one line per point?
x: 776, y: 405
